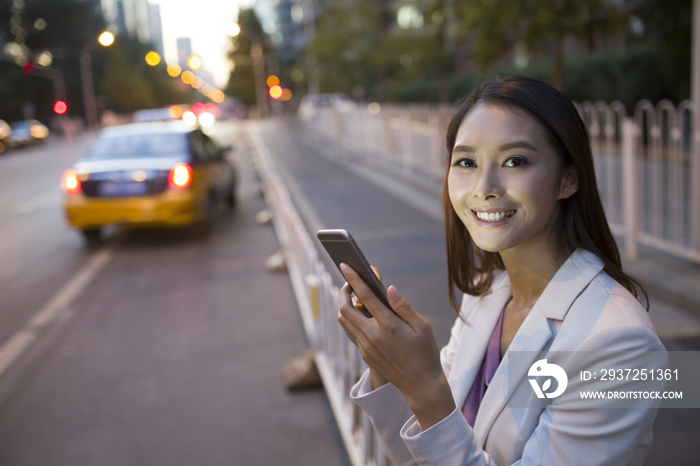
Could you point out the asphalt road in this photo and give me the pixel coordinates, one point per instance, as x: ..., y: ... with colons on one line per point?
x: 157, y: 347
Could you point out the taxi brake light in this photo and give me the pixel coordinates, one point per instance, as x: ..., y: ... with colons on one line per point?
x: 180, y: 176
x: 71, y: 182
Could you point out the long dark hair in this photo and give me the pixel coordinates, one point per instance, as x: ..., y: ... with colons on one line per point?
x: 581, y: 217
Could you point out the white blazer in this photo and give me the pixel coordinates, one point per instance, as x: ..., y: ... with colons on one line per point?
x: 582, y: 309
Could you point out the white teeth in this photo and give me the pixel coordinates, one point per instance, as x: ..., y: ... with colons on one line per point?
x: 494, y: 217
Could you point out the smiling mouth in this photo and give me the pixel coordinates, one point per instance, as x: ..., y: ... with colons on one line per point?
x: 494, y: 217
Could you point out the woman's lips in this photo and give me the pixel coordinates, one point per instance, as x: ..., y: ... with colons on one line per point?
x: 493, y: 219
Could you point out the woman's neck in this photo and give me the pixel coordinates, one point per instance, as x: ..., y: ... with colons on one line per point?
x: 530, y: 269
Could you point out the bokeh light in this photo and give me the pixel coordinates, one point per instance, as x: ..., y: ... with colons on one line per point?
x: 187, y: 77
x: 276, y: 91
x: 39, y: 132
x: 174, y: 70
x: 197, y: 108
x: 286, y: 95
x: 297, y: 75
x: 373, y: 108
x: 217, y: 96
x: 106, y: 39
x: 175, y: 112
x: 44, y: 59
x: 232, y: 29
x: 189, y: 118
x: 272, y: 81
x: 206, y: 119
x: 198, y: 82
x: 60, y: 107
x: 152, y: 58
x: 194, y: 62
x: 213, y: 109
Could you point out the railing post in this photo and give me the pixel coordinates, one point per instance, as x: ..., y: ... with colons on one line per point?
x: 407, y: 146
x: 695, y: 183
x: 629, y: 186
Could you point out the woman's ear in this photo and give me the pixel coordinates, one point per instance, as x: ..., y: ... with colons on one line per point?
x: 569, y: 183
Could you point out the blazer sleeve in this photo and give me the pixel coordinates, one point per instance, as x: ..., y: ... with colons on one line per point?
x: 387, y: 407
x: 565, y: 434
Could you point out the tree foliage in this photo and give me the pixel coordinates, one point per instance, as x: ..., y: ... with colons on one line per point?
x: 241, y: 83
x: 129, y: 83
x: 70, y: 24
x: 120, y: 73
x: 360, y: 45
x: 499, y: 24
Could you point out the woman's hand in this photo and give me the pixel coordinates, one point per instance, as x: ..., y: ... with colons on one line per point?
x: 400, y: 347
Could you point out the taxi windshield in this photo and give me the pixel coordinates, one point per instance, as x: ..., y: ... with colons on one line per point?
x: 146, y: 145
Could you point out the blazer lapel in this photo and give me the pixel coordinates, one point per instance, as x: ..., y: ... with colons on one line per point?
x: 478, y: 328
x: 534, y: 334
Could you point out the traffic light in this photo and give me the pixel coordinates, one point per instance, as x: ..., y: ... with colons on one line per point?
x: 60, y: 107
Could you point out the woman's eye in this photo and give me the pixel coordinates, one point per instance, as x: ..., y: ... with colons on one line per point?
x: 465, y: 163
x: 515, y: 162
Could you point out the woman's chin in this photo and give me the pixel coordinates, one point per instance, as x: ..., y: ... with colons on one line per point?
x: 489, y: 247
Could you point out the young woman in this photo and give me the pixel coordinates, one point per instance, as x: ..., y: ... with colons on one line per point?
x: 529, y: 246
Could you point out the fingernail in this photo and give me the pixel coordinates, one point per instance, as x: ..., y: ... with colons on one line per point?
x: 394, y: 293
x: 344, y: 268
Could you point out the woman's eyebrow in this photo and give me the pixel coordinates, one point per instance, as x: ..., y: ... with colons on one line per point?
x: 463, y: 148
x: 503, y: 148
x: 517, y: 145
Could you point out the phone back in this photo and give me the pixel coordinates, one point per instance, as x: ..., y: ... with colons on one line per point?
x: 342, y: 248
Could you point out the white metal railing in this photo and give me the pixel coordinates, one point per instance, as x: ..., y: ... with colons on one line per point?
x: 648, y: 170
x: 337, y: 359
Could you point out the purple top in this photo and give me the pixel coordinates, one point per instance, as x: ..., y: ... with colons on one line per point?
x: 488, y: 367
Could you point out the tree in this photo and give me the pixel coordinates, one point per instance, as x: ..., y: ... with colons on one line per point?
x: 535, y: 24
x: 68, y: 26
x: 668, y: 24
x: 241, y: 82
x: 346, y: 37
x: 129, y: 83
x: 125, y: 88
x: 361, y: 44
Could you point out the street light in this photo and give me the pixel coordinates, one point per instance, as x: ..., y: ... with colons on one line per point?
x: 106, y: 39
x: 256, y: 55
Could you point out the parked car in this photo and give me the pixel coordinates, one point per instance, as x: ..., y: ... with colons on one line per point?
x: 27, y: 132
x: 5, y: 133
x: 148, y: 174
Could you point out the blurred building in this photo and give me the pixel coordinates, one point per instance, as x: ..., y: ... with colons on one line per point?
x: 155, y: 28
x: 136, y: 18
x: 184, y: 50
x: 283, y: 21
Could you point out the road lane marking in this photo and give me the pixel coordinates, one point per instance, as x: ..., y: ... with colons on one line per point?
x: 48, y: 200
x: 13, y: 348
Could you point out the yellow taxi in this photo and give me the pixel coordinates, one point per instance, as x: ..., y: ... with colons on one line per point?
x: 148, y: 174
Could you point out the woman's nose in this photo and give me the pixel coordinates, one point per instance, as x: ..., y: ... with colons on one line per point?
x: 489, y: 184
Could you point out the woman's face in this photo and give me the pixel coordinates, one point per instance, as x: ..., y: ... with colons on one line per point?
x: 505, y: 179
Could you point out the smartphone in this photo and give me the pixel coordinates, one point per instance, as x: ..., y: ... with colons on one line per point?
x: 342, y: 248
